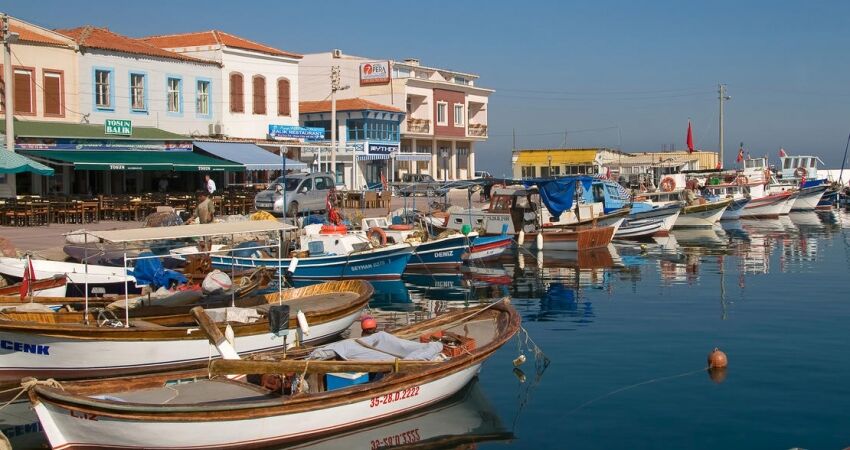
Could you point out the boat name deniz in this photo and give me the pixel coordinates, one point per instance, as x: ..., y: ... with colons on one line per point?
x: 36, y: 349
x: 394, y: 396
x: 367, y: 266
x: 445, y: 254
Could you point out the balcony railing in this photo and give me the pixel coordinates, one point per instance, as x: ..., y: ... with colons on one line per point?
x: 477, y: 129
x: 418, y: 125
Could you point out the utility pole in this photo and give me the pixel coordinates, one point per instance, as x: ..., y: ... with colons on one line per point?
x: 334, y: 88
x: 8, y: 82
x: 721, y: 92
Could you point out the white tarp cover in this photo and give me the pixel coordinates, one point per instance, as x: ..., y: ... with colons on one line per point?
x: 233, y: 314
x: 390, y: 348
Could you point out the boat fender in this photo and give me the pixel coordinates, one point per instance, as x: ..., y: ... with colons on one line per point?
x: 302, y: 323
x: 333, y: 229
x: 521, y: 237
x: 540, y: 240
x: 401, y: 227
x: 668, y: 184
x: 230, y: 336
x: 377, y: 234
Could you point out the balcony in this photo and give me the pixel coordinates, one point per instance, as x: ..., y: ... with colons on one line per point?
x: 418, y: 125
x: 477, y: 130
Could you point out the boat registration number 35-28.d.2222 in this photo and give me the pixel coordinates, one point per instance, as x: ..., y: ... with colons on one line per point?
x: 386, y: 399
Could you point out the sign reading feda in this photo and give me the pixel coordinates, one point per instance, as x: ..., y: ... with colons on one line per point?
x: 375, y: 72
x: 118, y: 126
x: 295, y: 132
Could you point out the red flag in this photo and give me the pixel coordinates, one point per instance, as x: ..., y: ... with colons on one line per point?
x: 740, y: 157
x: 607, y: 173
x: 690, y: 138
x: 718, y: 166
x: 384, y: 181
x: 782, y: 153
x: 28, y: 278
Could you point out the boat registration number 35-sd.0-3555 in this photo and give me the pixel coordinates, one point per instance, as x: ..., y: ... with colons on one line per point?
x: 386, y: 399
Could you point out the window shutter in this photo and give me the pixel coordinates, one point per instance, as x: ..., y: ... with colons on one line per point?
x: 259, y: 90
x: 236, y: 93
x: 23, y: 93
x: 52, y: 94
x: 283, y: 97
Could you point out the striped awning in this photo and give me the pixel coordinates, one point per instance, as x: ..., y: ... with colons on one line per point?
x: 373, y: 157
x: 413, y: 156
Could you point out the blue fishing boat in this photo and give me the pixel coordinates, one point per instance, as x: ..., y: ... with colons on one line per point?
x: 332, y: 253
x: 489, y: 247
x: 432, y: 253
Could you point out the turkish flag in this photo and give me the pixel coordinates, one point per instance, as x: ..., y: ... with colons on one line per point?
x: 690, y: 138
x: 782, y: 153
x: 28, y: 278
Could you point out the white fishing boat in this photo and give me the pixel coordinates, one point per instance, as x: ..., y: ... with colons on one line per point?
x: 326, y: 396
x: 111, y: 279
x: 639, y: 228
x: 702, y: 213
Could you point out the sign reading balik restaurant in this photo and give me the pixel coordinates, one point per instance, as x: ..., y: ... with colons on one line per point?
x: 118, y: 127
x: 377, y: 72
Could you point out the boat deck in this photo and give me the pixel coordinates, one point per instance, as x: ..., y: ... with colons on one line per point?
x: 195, y: 392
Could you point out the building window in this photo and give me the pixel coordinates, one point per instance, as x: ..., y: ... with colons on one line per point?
x: 356, y: 129
x: 461, y: 80
x: 380, y: 130
x: 237, y: 93
x: 258, y: 90
x: 138, y: 98
x: 458, y: 115
x: 401, y: 72
x: 529, y: 171
x: 103, y: 88
x: 202, y: 100
x: 283, y: 97
x: 174, y: 87
x: 54, y: 94
x: 442, y: 116
x: 24, y: 91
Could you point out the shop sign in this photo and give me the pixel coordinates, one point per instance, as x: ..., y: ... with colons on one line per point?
x: 296, y: 132
x: 383, y: 149
x: 118, y: 127
x: 377, y: 72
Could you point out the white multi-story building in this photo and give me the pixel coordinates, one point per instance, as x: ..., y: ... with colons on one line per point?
x: 258, y: 84
x: 124, y: 78
x: 446, y: 111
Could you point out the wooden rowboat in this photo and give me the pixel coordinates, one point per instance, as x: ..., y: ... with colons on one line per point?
x: 45, y: 287
x: 202, y: 412
x: 63, y: 346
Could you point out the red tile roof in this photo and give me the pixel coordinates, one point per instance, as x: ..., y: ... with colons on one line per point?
x: 214, y: 37
x: 348, y: 104
x: 103, y: 39
x: 29, y: 35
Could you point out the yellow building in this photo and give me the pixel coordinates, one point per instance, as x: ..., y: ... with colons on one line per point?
x: 545, y: 162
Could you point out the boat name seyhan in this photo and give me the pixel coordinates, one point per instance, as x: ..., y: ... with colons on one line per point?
x: 368, y: 266
x: 36, y: 349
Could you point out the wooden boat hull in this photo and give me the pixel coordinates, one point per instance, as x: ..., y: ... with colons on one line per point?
x: 580, y: 239
x: 112, y: 279
x: 735, y: 209
x: 386, y: 263
x: 48, y: 287
x: 767, y: 207
x: 77, y: 419
x: 73, y: 350
x: 702, y: 216
x: 809, y: 197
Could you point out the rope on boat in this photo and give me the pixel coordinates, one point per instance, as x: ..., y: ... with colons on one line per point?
x: 27, y: 384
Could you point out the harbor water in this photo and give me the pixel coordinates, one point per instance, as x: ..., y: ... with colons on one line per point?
x: 616, y: 345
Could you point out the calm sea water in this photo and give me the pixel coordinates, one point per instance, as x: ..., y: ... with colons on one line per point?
x: 626, y: 332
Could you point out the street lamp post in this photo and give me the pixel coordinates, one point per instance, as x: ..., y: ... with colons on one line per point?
x: 445, y: 154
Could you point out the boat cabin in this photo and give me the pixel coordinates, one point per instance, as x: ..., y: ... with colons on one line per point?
x: 799, y: 166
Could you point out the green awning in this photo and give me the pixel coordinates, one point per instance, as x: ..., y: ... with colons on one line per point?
x: 65, y: 130
x: 11, y: 162
x: 181, y: 161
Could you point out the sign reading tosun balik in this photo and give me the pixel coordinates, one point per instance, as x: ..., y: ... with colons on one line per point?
x: 118, y: 126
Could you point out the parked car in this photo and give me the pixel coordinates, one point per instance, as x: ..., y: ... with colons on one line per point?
x: 482, y: 174
x: 304, y: 193
x: 416, y: 184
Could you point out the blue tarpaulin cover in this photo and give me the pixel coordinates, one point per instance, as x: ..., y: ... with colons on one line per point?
x: 149, y: 271
x: 558, y: 194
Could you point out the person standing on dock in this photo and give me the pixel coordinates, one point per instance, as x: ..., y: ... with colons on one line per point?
x: 205, y: 210
x: 209, y: 184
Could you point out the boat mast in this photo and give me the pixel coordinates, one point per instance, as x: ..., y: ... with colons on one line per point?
x: 721, y: 91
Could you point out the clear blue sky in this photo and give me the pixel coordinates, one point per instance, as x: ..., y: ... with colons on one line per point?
x: 645, y: 67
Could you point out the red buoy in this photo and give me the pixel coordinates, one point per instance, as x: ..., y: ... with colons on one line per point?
x: 717, y: 359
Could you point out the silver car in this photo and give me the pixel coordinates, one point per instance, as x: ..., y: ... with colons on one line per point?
x: 296, y: 194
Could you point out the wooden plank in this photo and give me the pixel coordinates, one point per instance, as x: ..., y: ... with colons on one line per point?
x: 229, y: 367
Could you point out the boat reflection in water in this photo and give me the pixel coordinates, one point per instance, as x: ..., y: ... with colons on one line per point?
x: 463, y: 420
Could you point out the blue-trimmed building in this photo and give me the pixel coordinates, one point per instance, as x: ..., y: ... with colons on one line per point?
x: 369, y: 140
